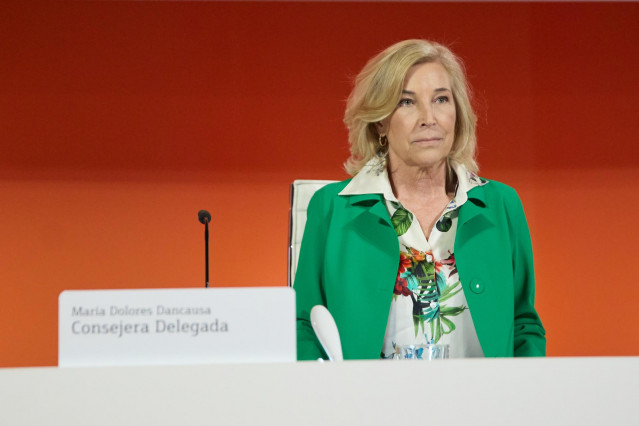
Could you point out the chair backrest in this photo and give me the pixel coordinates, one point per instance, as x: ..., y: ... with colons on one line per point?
x: 301, y: 193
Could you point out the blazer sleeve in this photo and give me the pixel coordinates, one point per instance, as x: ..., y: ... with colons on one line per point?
x: 529, y: 333
x: 308, y: 283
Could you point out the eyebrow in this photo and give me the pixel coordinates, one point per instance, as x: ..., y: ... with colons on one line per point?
x: 439, y: 89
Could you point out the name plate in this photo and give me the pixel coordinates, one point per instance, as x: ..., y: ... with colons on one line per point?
x: 176, y: 326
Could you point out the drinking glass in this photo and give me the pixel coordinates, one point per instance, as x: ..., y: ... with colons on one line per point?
x: 427, y: 351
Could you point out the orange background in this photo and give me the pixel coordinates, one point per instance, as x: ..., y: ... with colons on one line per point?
x: 120, y: 120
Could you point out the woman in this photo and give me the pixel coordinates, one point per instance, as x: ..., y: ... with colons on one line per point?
x: 416, y: 247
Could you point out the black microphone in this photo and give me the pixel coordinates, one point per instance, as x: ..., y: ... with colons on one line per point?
x: 205, y: 217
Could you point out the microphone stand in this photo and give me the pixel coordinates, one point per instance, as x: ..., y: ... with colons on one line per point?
x: 206, y: 253
x: 205, y: 217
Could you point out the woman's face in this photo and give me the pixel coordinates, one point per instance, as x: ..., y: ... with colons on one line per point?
x: 421, y: 130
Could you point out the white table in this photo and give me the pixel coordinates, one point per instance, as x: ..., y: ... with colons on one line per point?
x: 561, y: 391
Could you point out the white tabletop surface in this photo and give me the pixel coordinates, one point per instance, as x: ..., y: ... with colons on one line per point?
x: 558, y: 391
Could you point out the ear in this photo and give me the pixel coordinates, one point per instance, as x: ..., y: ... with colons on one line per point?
x: 381, y: 127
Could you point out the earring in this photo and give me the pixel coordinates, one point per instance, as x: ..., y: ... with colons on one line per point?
x: 383, y: 140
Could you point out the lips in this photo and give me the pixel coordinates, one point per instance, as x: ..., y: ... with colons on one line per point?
x: 429, y: 139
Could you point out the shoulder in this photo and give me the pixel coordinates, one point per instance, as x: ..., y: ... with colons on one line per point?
x: 500, y: 201
x: 334, y: 188
x: 503, y: 203
x: 500, y: 188
x: 495, y: 191
x: 328, y: 193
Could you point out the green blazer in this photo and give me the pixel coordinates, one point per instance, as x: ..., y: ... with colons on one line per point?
x: 350, y: 255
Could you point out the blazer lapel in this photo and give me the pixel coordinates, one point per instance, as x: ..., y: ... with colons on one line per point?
x: 369, y: 245
x: 371, y: 203
x: 474, y: 206
x: 371, y: 221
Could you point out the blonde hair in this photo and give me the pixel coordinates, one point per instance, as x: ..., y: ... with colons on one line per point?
x: 378, y: 89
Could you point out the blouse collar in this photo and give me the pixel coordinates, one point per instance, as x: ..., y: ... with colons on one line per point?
x: 373, y: 179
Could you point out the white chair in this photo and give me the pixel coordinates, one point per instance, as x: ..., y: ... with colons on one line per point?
x: 301, y: 193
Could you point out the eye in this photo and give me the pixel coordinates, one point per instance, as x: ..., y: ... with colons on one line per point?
x: 405, y: 102
x: 442, y: 99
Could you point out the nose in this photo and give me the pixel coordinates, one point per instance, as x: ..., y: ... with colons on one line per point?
x: 427, y: 116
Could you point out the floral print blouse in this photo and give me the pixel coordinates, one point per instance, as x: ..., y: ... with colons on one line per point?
x: 428, y: 303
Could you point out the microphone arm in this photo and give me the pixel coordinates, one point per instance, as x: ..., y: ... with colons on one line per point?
x: 205, y: 217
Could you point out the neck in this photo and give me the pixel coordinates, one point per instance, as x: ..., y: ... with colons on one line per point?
x: 423, y: 182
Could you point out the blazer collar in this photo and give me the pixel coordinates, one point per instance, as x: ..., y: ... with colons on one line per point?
x: 374, y: 202
x: 371, y: 203
x: 475, y: 206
